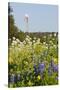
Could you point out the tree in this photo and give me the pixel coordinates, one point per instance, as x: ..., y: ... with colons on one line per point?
x: 13, y: 30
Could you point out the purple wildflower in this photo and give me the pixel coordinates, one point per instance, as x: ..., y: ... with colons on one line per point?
x: 55, y: 68
x: 52, y: 63
x: 41, y: 67
x: 56, y: 78
x: 49, y: 70
x: 12, y: 78
x: 18, y: 77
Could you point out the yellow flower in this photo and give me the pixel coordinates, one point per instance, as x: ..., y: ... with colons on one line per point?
x: 55, y: 60
x: 26, y: 63
x: 29, y: 83
x: 38, y: 77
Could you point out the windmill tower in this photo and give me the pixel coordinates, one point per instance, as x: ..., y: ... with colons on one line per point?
x: 26, y: 20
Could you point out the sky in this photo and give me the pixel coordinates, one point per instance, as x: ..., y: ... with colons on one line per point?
x: 42, y: 17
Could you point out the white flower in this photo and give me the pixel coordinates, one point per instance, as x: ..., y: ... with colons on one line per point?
x: 46, y: 47
x: 27, y: 36
x: 44, y: 43
x: 33, y: 41
x: 34, y: 38
x: 44, y: 36
x: 14, y: 38
x: 17, y: 40
x: 10, y: 48
x: 50, y: 41
x: 24, y: 42
x: 38, y: 41
x: 55, y: 34
x: 27, y: 39
x: 12, y: 44
x: 50, y: 35
x: 9, y: 39
x: 55, y: 46
x: 22, y: 45
x: 30, y: 43
x: 53, y: 39
x: 30, y: 38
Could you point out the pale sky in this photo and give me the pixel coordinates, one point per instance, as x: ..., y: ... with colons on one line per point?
x: 42, y: 18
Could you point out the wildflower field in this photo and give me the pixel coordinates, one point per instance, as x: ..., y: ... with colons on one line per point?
x: 33, y: 62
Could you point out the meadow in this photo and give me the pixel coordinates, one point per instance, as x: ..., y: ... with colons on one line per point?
x: 33, y: 61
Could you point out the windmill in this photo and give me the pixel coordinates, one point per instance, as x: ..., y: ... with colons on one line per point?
x: 26, y: 20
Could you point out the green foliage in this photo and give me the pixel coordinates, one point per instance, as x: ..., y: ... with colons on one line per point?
x: 13, y: 30
x: 23, y: 55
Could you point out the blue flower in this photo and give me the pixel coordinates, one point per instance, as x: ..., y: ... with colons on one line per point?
x: 55, y: 68
x: 41, y: 67
x: 18, y: 77
x: 56, y: 78
x: 52, y: 63
x: 50, y: 70
x: 12, y: 78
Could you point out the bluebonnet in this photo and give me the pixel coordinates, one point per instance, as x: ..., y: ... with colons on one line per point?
x: 52, y: 63
x: 50, y: 70
x: 12, y: 78
x: 41, y: 67
x: 18, y: 77
x: 50, y: 67
x: 15, y: 78
x: 55, y: 68
x: 56, y: 78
